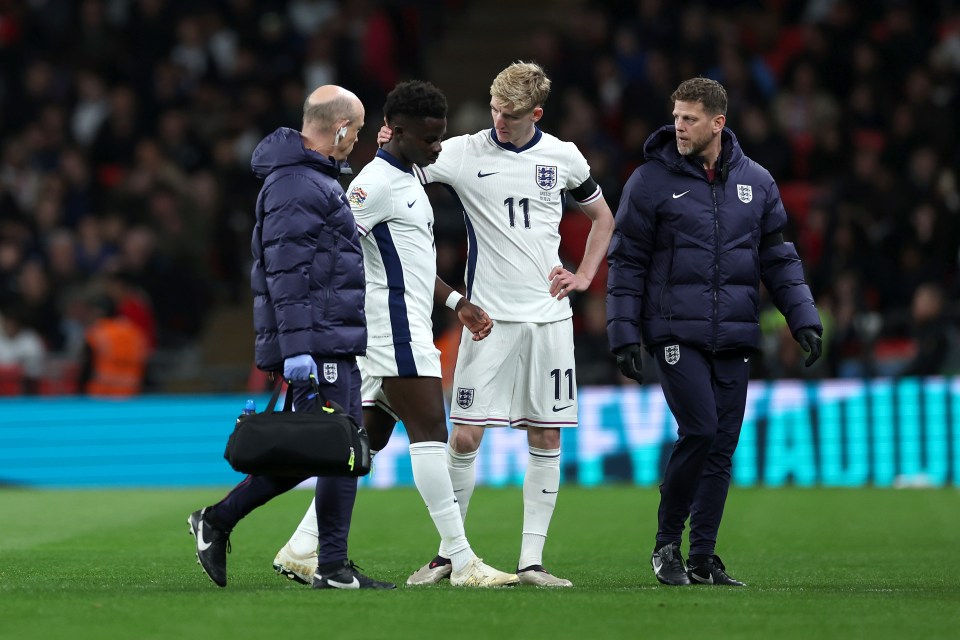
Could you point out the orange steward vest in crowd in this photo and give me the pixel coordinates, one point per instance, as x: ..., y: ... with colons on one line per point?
x: 120, y: 352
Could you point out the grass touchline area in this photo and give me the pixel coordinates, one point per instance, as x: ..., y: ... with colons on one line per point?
x: 826, y: 563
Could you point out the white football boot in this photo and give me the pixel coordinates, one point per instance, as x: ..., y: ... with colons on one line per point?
x: 297, y: 568
x: 478, y: 574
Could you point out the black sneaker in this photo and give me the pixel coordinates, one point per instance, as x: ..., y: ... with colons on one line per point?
x: 213, y: 545
x: 712, y: 571
x: 346, y: 575
x: 668, y: 565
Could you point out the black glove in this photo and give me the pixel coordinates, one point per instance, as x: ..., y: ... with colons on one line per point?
x: 809, y: 341
x: 629, y: 359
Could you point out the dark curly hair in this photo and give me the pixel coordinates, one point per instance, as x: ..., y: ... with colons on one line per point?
x: 415, y: 98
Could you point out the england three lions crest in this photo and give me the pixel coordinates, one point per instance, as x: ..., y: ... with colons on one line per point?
x: 546, y: 176
x: 671, y: 353
x: 464, y: 398
x: 744, y: 192
x: 330, y: 372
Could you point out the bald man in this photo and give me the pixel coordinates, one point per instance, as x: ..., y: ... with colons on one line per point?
x: 308, y: 310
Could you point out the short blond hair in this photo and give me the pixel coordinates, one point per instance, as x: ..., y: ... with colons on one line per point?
x: 522, y: 86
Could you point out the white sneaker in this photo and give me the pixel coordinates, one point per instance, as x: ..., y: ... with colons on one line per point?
x: 478, y: 574
x: 297, y: 568
x: 537, y: 576
x: 432, y: 572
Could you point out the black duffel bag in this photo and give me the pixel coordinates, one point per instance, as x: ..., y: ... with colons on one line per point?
x: 324, y: 442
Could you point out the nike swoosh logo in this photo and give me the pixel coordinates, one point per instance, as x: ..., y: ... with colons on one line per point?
x: 410, y: 204
x: 556, y: 408
x: 354, y: 584
x: 680, y: 195
x: 202, y: 544
x: 657, y: 565
x: 702, y: 580
x: 746, y: 359
x: 548, y: 492
x: 481, y: 174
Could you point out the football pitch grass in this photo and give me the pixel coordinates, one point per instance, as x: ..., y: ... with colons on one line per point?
x: 819, y: 564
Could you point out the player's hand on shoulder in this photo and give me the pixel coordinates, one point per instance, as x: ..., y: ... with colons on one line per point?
x: 564, y: 282
x: 475, y: 320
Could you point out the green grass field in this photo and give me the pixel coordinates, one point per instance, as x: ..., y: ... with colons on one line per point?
x: 819, y: 563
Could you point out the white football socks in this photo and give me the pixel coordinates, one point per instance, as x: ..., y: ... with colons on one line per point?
x: 463, y: 476
x: 304, y: 540
x: 540, y: 486
x: 428, y: 460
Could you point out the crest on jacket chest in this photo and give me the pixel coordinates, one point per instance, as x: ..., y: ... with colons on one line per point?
x: 744, y: 192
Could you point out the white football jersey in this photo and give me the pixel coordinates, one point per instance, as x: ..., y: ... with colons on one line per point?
x: 512, y: 200
x: 395, y: 221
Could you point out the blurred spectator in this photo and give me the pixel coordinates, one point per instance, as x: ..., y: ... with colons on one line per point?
x: 21, y: 349
x: 115, y: 352
x: 132, y: 303
x: 764, y: 143
x: 934, y: 337
x: 38, y: 305
x: 802, y: 109
x: 91, y: 109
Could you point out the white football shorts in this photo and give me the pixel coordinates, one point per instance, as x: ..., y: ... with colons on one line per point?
x: 522, y: 375
x: 408, y: 360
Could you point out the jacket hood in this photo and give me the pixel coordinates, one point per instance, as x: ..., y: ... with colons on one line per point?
x: 662, y: 147
x: 284, y: 148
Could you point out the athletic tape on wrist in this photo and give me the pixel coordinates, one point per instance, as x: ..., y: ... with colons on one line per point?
x: 453, y: 299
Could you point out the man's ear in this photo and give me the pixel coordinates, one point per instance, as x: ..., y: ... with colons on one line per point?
x: 537, y: 113
x: 718, y: 123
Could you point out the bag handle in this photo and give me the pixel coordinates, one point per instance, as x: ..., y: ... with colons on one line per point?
x: 288, y: 398
x: 276, y: 396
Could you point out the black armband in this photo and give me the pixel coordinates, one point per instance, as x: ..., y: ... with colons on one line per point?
x: 585, y: 190
x: 770, y: 240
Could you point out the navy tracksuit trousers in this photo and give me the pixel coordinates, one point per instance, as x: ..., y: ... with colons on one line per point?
x: 707, y: 393
x: 334, y: 496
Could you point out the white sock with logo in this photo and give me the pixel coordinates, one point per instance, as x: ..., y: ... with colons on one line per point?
x: 540, y: 486
x: 463, y: 475
x: 428, y: 460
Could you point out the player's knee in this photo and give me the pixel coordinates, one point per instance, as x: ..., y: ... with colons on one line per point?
x: 544, y: 438
x: 465, y: 439
x: 427, y: 432
x: 379, y: 426
x: 379, y: 437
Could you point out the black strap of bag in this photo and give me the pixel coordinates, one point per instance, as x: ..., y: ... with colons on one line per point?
x: 288, y: 398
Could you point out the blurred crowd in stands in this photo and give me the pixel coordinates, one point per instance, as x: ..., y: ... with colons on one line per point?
x: 126, y: 128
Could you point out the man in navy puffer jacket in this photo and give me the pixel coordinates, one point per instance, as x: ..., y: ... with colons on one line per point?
x: 698, y: 228
x: 308, y: 285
